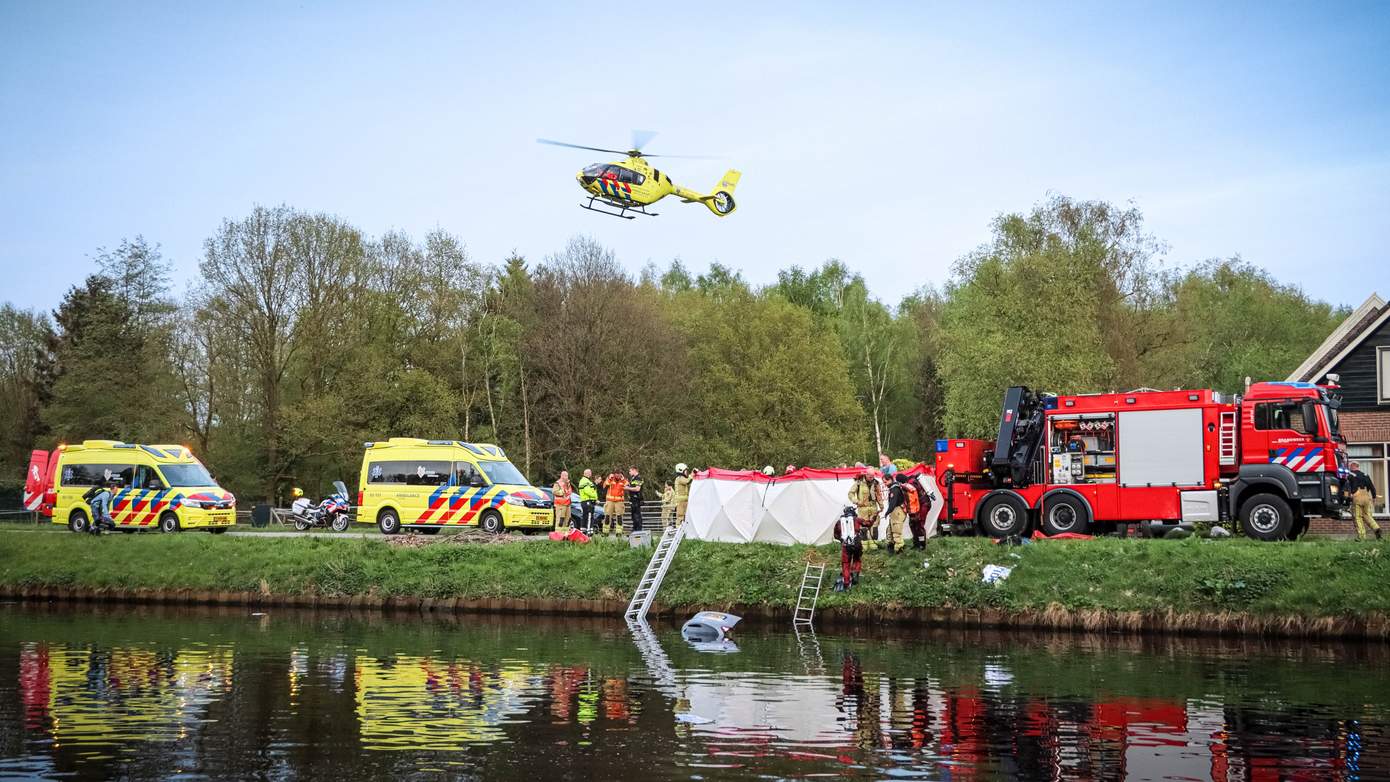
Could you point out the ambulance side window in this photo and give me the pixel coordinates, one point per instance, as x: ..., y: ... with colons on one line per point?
x: 410, y: 472
x: 465, y: 474
x: 96, y: 474
x: 147, y: 477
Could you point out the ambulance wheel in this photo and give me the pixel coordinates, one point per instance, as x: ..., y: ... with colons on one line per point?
x: 1004, y: 515
x: 77, y: 522
x: 1266, y: 517
x: 168, y: 523
x: 1065, y: 513
x: 388, y: 522
x: 491, y: 522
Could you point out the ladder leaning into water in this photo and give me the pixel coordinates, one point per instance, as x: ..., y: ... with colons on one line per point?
x: 807, y: 598
x: 656, y: 571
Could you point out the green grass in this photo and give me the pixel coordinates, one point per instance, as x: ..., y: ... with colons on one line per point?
x: 1310, y: 579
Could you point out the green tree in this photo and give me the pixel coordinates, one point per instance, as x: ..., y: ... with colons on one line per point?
x: 1235, y: 321
x: 766, y: 384
x: 1059, y: 299
x: 25, y: 337
x: 110, y: 377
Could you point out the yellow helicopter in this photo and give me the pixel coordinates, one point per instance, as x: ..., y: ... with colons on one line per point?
x: 632, y: 185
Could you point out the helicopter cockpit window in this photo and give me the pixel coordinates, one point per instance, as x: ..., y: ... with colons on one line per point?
x: 629, y: 176
x: 596, y: 170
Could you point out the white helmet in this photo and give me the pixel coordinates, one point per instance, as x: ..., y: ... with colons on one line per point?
x: 767, y: 470
x: 681, y: 467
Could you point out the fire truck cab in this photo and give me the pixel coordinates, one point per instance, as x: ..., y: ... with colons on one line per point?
x: 1272, y: 459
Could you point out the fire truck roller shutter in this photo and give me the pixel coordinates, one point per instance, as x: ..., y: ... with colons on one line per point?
x: 1002, y: 513
x: 1161, y: 448
x: 1064, y: 510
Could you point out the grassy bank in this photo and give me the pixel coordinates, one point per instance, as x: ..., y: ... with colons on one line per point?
x: 1311, y: 579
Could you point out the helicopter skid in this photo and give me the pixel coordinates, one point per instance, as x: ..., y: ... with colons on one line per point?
x: 625, y: 211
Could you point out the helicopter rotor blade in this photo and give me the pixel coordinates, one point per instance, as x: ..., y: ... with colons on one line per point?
x: 640, y: 138
x: 579, y: 146
x: 688, y: 157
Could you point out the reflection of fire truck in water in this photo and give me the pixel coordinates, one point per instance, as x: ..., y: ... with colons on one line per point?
x: 1272, y: 458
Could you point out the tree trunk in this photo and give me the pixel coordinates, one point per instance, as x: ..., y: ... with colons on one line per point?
x: 525, y: 418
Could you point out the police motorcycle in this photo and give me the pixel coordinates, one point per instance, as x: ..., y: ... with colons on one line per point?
x: 332, y: 511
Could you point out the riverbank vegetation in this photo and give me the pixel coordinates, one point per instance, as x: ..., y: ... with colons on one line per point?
x: 1192, y: 576
x: 301, y: 337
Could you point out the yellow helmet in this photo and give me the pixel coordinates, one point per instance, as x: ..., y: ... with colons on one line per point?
x: 296, y: 492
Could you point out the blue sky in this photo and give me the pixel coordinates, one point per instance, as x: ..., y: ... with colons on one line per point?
x: 887, y: 135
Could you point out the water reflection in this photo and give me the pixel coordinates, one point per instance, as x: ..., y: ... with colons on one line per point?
x: 145, y: 694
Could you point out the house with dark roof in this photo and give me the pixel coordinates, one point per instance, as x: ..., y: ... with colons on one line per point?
x: 1357, y: 353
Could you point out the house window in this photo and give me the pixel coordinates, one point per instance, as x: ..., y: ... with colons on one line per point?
x: 1372, y: 457
x: 1383, y: 374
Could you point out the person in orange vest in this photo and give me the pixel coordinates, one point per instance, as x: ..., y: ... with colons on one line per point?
x: 613, y: 487
x: 562, y: 491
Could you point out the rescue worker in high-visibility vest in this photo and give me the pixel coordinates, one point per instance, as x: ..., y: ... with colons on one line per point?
x: 861, y: 496
x: 1363, y: 497
x: 668, y: 505
x: 562, y: 491
x: 918, y: 505
x: 614, y: 486
x: 897, y: 512
x: 588, y: 497
x: 634, y: 497
x: 681, y: 485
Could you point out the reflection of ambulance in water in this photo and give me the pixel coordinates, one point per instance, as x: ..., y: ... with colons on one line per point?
x: 161, y: 486
x: 423, y: 703
x: 431, y: 484
x: 121, y: 695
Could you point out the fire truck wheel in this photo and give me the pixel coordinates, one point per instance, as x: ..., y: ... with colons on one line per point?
x: 1266, y: 517
x: 1065, y: 513
x: 388, y: 522
x: 1004, y: 515
x: 77, y: 522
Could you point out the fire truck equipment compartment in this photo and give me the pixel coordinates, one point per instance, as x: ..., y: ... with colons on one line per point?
x: 1201, y: 506
x: 1161, y: 447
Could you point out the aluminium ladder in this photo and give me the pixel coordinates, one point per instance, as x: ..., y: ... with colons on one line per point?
x: 1227, y: 439
x: 656, y: 571
x: 808, y: 596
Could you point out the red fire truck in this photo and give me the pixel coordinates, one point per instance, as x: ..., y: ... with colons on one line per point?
x: 1272, y: 458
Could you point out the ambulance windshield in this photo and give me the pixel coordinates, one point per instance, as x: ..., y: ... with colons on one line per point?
x: 503, y: 472
x: 186, y: 475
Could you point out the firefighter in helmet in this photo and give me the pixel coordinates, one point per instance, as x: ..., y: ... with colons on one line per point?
x: 681, y: 485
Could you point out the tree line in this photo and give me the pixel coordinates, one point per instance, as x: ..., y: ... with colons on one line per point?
x: 303, y: 337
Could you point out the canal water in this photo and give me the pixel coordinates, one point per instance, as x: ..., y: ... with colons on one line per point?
x: 143, y: 693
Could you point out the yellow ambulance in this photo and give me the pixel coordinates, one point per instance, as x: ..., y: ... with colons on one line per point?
x: 159, y: 487
x: 431, y: 484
